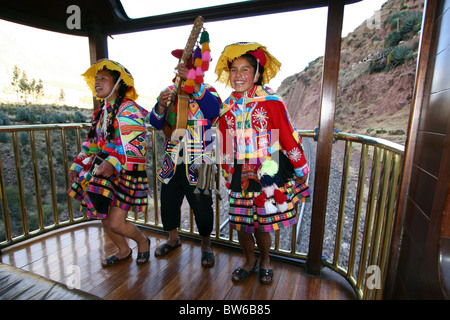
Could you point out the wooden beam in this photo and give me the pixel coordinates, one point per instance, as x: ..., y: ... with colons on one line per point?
x: 325, y: 137
x: 98, y: 49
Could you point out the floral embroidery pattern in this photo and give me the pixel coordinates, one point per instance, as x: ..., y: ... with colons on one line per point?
x: 295, y: 154
x: 259, y: 119
x: 230, y: 121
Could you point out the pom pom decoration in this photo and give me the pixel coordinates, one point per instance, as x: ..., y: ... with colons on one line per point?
x: 89, y: 147
x: 198, y: 57
x: 267, y: 174
x: 109, y: 147
x: 205, y: 47
x: 204, y: 37
x: 206, y: 58
x: 190, y: 82
x: 206, y: 51
x: 198, y: 75
x: 198, y: 65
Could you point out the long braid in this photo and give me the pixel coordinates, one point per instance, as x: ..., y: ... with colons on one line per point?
x: 120, y: 96
x: 92, y: 129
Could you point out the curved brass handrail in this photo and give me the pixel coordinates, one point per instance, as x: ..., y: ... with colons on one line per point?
x: 361, y: 261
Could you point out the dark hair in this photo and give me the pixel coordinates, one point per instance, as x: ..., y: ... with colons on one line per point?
x: 120, y: 96
x: 254, y: 63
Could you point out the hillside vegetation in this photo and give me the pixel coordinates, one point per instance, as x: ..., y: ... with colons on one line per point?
x: 376, y: 77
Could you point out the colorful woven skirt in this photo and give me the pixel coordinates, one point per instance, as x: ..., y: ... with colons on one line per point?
x: 246, y: 216
x: 245, y: 187
x: 129, y: 191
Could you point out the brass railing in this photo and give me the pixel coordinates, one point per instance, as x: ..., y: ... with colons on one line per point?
x: 34, y: 199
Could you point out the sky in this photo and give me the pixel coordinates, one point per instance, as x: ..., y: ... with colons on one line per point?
x: 294, y: 38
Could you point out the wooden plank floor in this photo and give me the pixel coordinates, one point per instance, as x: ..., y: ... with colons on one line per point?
x: 179, y: 275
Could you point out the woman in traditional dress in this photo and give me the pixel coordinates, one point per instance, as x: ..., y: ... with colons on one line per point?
x: 262, y: 155
x: 108, y: 175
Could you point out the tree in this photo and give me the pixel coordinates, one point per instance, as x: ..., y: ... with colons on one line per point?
x: 31, y: 88
x: 39, y: 90
x: 15, y: 80
x: 62, y: 96
x: 24, y: 86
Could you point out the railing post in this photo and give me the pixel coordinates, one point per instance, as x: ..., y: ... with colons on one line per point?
x: 325, y: 137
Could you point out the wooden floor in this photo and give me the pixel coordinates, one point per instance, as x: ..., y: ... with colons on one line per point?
x: 176, y: 276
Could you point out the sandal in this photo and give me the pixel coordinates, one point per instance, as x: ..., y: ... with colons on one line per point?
x: 112, y: 260
x: 242, y: 274
x: 265, y: 276
x: 143, y: 255
x: 166, y: 248
x: 208, y: 256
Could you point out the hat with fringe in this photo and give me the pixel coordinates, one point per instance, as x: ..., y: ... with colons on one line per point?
x: 125, y: 75
x: 233, y: 51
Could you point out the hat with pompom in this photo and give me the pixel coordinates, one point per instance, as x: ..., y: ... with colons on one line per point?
x: 233, y: 51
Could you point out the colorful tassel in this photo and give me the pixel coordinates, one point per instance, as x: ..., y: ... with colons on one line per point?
x: 205, y: 47
x: 108, y: 148
x: 206, y: 58
x: 198, y: 57
x: 204, y: 37
x: 190, y: 82
x: 279, y: 196
x: 199, y: 75
x: 89, y: 147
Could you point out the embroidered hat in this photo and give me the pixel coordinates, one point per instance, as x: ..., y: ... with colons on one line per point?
x: 125, y: 75
x: 231, y: 52
x: 178, y: 53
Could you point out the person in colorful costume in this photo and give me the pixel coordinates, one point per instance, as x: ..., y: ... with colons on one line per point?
x: 262, y: 155
x: 182, y: 159
x: 108, y: 176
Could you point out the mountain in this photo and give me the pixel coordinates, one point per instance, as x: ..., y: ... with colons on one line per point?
x: 376, y: 77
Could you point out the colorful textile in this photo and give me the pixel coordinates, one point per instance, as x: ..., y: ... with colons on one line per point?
x: 196, y: 145
x: 128, y: 192
x: 129, y: 145
x: 257, y: 127
x: 127, y: 188
x: 245, y: 216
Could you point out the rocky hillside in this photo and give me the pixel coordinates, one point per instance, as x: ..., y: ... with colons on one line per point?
x: 376, y: 78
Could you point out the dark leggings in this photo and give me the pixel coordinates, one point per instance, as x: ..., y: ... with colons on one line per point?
x: 172, y: 195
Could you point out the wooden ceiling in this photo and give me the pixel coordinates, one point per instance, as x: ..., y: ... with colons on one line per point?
x: 108, y: 17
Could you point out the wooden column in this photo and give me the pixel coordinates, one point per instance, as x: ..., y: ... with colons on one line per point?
x: 98, y: 49
x: 325, y: 137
